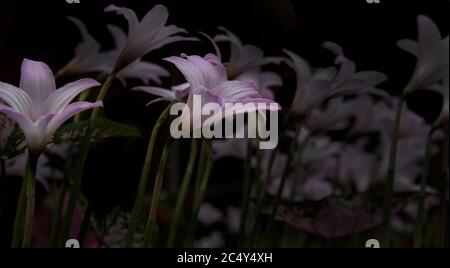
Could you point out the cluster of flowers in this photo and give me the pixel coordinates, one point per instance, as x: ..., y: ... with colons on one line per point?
x: 318, y: 164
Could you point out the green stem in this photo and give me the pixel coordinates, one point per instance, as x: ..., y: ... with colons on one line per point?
x: 139, y: 201
x: 20, y: 212
x: 182, y: 194
x: 30, y: 198
x: 79, y: 165
x: 74, y: 194
x: 418, y: 232
x: 443, y: 210
x: 261, y: 196
x: 57, y: 216
x: 245, y: 193
x: 200, y: 195
x: 85, y: 225
x: 389, y: 188
x: 274, y: 211
x: 151, y: 221
x: 105, y: 87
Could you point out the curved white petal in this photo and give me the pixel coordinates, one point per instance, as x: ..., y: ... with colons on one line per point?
x: 68, y: 112
x: 37, y: 80
x: 61, y: 97
x: 199, y: 71
x: 17, y: 99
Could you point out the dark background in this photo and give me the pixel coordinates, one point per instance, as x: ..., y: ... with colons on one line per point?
x: 39, y: 30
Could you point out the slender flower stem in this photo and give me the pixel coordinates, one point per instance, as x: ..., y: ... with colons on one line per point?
x: 200, y: 195
x: 151, y: 221
x: 139, y: 201
x: 30, y: 194
x: 245, y: 193
x: 261, y: 195
x: 418, y: 232
x: 78, y: 168
x: 85, y: 225
x: 389, y: 188
x: 106, y: 85
x: 74, y: 193
x: 182, y: 194
x: 443, y: 210
x: 20, y: 212
x: 285, y: 174
x: 57, y: 210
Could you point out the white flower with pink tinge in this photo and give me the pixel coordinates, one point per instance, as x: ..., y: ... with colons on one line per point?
x: 38, y: 107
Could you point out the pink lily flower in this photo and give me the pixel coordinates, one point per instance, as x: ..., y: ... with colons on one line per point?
x: 431, y: 52
x: 146, y: 35
x: 38, y: 107
x: 206, y: 77
x: 316, y: 85
x: 89, y: 58
x: 432, y: 65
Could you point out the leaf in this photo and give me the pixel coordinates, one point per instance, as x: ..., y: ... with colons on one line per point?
x: 78, y: 132
x: 338, y: 216
x: 11, y: 138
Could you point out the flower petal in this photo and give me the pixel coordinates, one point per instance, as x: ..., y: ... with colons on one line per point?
x: 199, y: 71
x: 35, y: 133
x: 37, y: 80
x: 145, y: 71
x: 18, y: 99
x: 409, y: 45
x: 158, y: 91
x: 61, y: 97
x: 71, y: 110
x: 129, y: 15
x: 235, y: 90
x: 119, y: 36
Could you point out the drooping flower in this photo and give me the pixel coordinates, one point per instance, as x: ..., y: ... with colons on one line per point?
x: 89, y: 58
x: 316, y: 85
x: 146, y: 35
x: 206, y: 77
x: 38, y: 107
x: 431, y: 52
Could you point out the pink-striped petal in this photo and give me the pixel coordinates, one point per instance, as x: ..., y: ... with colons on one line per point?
x: 68, y: 112
x: 37, y: 80
x: 17, y: 99
x: 199, y: 71
x: 61, y: 97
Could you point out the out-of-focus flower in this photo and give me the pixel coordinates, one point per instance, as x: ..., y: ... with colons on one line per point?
x: 262, y: 81
x: 233, y: 219
x: 335, y: 116
x: 431, y: 52
x: 411, y: 125
x: 213, y: 240
x: 207, y: 78
x: 209, y: 214
x: 231, y: 147
x: 243, y: 57
x: 245, y: 64
x: 116, y: 234
x: 38, y: 107
x: 146, y: 35
x: 46, y: 170
x: 316, y: 85
x: 89, y: 58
